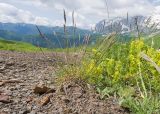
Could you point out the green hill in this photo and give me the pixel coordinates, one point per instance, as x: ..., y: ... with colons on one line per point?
x: 17, y: 46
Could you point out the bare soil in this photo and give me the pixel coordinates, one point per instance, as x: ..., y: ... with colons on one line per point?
x: 21, y: 72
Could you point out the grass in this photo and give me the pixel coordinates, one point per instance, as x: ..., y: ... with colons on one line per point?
x: 27, y: 47
x: 155, y: 41
x: 115, y: 69
x: 118, y: 69
x: 126, y: 70
x: 18, y: 46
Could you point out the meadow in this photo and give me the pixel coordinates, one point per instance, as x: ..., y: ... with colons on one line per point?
x: 128, y: 71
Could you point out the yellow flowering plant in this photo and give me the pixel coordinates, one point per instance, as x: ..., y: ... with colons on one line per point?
x: 121, y: 65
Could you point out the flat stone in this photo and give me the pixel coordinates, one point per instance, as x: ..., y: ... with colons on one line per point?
x: 4, y: 98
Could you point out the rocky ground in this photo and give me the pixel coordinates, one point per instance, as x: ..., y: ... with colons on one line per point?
x: 27, y: 86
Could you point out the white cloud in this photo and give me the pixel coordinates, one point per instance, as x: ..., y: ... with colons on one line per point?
x: 91, y: 11
x: 85, y: 7
x: 87, y: 12
x: 10, y: 13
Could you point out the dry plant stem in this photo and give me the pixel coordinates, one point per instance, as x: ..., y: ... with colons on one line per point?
x: 42, y: 36
x: 127, y: 18
x: 147, y: 58
x: 65, y: 32
x: 55, y: 56
x: 142, y: 81
x: 74, y: 32
x: 86, y: 41
x: 55, y: 34
x: 106, y: 1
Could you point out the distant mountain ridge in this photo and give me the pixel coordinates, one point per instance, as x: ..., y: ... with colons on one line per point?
x: 125, y: 25
x: 22, y: 28
x: 55, y: 35
x: 28, y: 29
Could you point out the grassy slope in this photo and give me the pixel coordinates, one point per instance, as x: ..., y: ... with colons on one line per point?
x: 22, y: 46
x: 17, y: 46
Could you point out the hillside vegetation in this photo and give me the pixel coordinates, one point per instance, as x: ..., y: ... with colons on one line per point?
x: 53, y: 37
x: 17, y: 46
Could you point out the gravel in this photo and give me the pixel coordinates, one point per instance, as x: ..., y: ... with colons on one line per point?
x: 32, y: 69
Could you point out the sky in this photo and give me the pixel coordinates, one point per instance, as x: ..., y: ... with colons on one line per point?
x: 87, y: 12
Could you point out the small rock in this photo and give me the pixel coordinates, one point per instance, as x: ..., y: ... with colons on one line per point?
x: 4, y: 98
x: 65, y: 99
x: 67, y: 111
x: 33, y: 112
x: 49, y: 82
x: 41, y: 89
x: 6, y: 109
x: 24, y: 112
x: 45, y: 100
x: 3, y: 67
x: 1, y: 83
x: 2, y: 112
x: 29, y: 99
x: 34, y: 107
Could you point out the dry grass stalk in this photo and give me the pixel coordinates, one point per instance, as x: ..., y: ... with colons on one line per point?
x: 107, y: 8
x: 147, y: 58
x: 137, y: 27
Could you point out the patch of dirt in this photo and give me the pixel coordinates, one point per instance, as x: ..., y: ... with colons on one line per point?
x: 21, y: 73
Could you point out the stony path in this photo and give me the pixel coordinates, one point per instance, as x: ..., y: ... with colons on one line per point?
x: 30, y: 69
x: 21, y: 73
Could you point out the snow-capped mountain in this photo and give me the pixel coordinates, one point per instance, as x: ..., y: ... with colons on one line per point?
x: 156, y: 19
x: 129, y: 24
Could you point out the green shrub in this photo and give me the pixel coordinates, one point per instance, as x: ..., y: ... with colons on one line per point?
x: 122, y: 67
